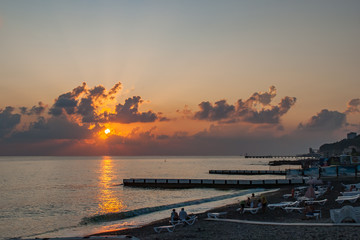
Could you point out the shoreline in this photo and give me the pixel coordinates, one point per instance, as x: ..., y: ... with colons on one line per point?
x: 204, y: 229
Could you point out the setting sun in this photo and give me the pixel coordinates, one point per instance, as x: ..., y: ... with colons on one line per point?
x: 107, y: 131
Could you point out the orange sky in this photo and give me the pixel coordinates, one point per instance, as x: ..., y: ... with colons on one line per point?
x: 194, y: 78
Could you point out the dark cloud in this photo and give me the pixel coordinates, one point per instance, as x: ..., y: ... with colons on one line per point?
x: 68, y: 101
x: 256, y: 109
x: 35, y: 110
x: 353, y: 106
x: 220, y: 110
x: 50, y: 129
x: 129, y: 112
x: 87, y: 105
x: 272, y: 114
x: 8, y: 120
x: 325, y: 121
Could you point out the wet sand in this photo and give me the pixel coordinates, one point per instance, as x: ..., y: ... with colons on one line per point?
x: 205, y: 229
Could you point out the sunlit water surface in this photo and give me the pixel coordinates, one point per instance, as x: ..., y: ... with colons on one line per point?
x: 50, y: 196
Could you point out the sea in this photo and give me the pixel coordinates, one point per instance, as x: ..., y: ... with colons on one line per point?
x: 47, y: 196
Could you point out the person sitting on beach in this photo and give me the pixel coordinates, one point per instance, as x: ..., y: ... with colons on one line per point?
x: 183, y: 215
x: 263, y: 203
x: 248, y: 202
x: 242, y: 205
x: 174, y: 216
x: 308, y: 211
x: 259, y: 204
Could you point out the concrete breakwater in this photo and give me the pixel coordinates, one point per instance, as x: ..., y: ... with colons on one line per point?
x: 248, y: 172
x: 210, y: 183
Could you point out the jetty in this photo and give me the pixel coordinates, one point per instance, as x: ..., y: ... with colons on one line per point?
x: 281, y: 156
x: 248, y: 172
x: 210, y: 183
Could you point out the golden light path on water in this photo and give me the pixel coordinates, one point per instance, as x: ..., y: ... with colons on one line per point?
x: 108, y: 202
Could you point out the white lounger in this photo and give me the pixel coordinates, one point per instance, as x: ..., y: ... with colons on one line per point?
x: 321, y: 202
x: 316, y: 214
x: 189, y: 221
x: 338, y: 215
x: 290, y: 209
x: 351, y: 199
x: 350, y: 193
x: 283, y: 205
x: 252, y: 210
x: 216, y: 215
x: 169, y: 228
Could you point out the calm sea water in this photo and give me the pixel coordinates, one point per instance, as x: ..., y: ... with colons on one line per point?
x: 52, y: 196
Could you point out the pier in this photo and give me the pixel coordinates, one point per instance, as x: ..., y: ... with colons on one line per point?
x: 248, y: 172
x: 279, y: 156
x: 210, y: 183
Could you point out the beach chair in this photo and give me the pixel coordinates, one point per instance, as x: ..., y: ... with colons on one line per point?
x: 320, y: 202
x: 283, y: 205
x: 189, y: 221
x: 351, y: 199
x: 303, y: 198
x: 338, y: 215
x: 169, y: 228
x: 216, y: 215
x: 350, y: 193
x: 252, y: 210
x: 290, y: 209
x: 176, y: 222
x: 316, y: 214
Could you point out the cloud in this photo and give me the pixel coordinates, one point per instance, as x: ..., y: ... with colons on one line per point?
x: 87, y: 104
x: 325, y: 121
x: 35, y: 110
x: 129, y: 112
x: 353, y: 106
x: 51, y: 129
x: 67, y: 102
x: 8, y: 120
x: 220, y: 110
x: 256, y: 109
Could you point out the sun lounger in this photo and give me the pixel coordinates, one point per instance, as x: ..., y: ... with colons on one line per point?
x: 350, y: 193
x: 338, y: 215
x: 303, y: 198
x: 190, y: 221
x: 290, y: 209
x: 252, y: 210
x: 169, y: 228
x: 216, y: 215
x: 175, y: 223
x: 321, y: 202
x: 316, y: 214
x: 351, y: 199
x: 288, y: 195
x: 283, y: 205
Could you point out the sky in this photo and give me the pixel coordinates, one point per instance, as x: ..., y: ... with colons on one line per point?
x: 177, y: 77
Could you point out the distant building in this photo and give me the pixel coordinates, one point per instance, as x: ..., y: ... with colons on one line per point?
x: 351, y: 135
x: 349, y: 150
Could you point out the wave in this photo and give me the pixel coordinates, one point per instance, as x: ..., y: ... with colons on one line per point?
x: 132, y: 213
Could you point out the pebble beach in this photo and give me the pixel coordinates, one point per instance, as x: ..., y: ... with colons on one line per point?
x: 300, y: 228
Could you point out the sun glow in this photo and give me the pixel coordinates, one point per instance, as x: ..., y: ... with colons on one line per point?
x: 107, y: 131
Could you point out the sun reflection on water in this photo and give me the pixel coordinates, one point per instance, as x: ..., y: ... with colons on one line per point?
x: 108, y: 201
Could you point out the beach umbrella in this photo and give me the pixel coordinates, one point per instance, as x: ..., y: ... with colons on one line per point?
x: 310, y: 193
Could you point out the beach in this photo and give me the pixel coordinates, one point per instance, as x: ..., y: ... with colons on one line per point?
x: 233, y: 229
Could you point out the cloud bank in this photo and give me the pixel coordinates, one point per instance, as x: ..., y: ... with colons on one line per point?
x: 74, y: 124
